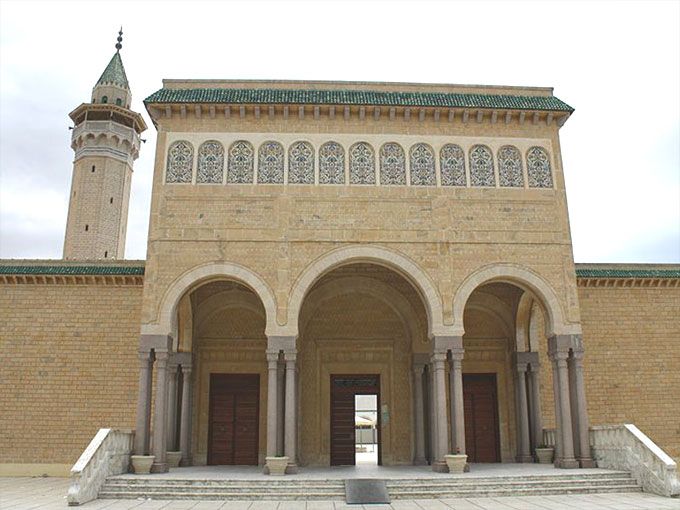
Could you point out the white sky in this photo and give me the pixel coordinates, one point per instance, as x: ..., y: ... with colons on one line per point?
x: 617, y: 63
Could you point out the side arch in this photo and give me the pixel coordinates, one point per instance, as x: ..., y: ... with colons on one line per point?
x: 167, y: 316
x: 524, y: 279
x: 376, y: 255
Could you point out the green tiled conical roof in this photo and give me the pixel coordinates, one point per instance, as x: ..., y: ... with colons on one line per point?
x: 114, y: 73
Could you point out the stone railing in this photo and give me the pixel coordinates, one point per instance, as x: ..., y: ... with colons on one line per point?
x: 107, y: 454
x: 626, y: 448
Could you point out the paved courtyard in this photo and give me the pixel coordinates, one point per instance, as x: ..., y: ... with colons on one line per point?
x: 50, y: 493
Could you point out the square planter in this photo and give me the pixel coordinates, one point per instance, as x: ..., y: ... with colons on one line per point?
x: 173, y: 458
x: 141, y: 464
x: 456, y: 463
x: 544, y: 455
x: 277, y: 465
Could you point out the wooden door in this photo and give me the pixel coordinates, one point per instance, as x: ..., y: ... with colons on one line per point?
x: 344, y: 388
x: 482, y: 442
x: 233, y: 425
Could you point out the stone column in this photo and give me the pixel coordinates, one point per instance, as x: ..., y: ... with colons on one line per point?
x: 185, y: 411
x: 290, y: 412
x: 579, y: 398
x: 143, y: 423
x: 280, y: 409
x: 272, y: 402
x: 172, y: 404
x: 160, y: 464
x: 419, y: 414
x: 558, y: 349
x: 536, y: 418
x: 432, y: 422
x: 523, y: 446
x: 457, y: 402
x: 442, y: 430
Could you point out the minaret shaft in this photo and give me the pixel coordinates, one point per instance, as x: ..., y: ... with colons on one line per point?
x: 106, y: 143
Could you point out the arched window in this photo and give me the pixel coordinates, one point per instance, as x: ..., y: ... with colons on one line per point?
x: 301, y: 163
x: 270, y: 163
x: 105, y: 99
x: 210, y: 163
x: 452, y: 163
x: 361, y: 164
x: 538, y: 168
x: 421, y: 158
x: 119, y: 102
x: 331, y: 163
x: 510, y: 173
x: 180, y: 162
x: 481, y: 166
x: 392, y: 164
x: 241, y: 163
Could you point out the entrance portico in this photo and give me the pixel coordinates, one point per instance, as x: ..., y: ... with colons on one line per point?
x: 357, y: 317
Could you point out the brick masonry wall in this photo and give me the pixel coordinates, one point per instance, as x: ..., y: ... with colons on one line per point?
x: 68, y: 366
x: 632, y: 363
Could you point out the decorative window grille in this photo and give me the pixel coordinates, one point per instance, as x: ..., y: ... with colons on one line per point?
x: 270, y: 163
x: 510, y: 171
x: 180, y: 162
x: 422, y: 165
x: 331, y: 163
x: 301, y: 163
x: 241, y: 163
x: 538, y: 168
x: 392, y: 164
x: 452, y: 163
x: 210, y: 163
x: 481, y: 166
x: 361, y: 164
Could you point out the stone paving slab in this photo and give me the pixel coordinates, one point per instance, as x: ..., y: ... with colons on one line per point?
x: 50, y: 494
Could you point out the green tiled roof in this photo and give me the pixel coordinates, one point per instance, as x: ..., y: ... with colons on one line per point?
x: 357, y: 97
x: 628, y: 273
x: 114, y: 73
x: 71, y: 270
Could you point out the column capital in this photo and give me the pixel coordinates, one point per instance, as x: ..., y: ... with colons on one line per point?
x: 162, y: 357
x: 438, y: 358
x: 183, y: 358
x: 144, y: 357
x: 186, y: 369
x: 521, y: 367
x: 457, y: 354
x: 290, y: 356
x: 272, y: 358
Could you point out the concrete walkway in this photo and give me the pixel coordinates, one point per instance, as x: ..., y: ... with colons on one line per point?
x: 50, y: 494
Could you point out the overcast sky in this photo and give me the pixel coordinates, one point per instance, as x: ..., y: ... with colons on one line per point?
x: 617, y: 63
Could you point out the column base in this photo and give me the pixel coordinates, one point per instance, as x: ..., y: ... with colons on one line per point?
x: 420, y: 462
x: 159, y: 467
x: 439, y: 466
x: 291, y: 469
x: 566, y: 463
x: 524, y: 459
x: 265, y: 469
x: 186, y: 462
x: 588, y: 463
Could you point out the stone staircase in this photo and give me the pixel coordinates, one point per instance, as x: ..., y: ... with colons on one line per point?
x: 131, y: 487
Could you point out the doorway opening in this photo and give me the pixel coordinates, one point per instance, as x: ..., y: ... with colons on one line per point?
x: 366, y: 429
x: 355, y: 420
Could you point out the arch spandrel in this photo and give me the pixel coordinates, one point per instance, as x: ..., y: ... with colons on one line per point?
x: 370, y: 254
x: 524, y: 278
x: 166, y: 319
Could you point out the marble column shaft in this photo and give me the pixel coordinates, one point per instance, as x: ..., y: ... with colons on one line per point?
x: 159, y: 429
x: 185, y: 416
x: 535, y: 404
x: 290, y: 447
x: 579, y: 396
x: 419, y: 412
x: 442, y: 430
x: 561, y: 374
x: 457, y: 403
x: 280, y: 406
x: 523, y: 446
x: 143, y: 423
x: 272, y: 402
x: 172, y: 405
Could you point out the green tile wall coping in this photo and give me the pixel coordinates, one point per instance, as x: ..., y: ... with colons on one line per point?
x: 357, y: 97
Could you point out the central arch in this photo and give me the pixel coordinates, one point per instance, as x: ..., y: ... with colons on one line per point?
x: 376, y: 255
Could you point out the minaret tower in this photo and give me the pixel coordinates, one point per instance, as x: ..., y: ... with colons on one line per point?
x: 106, y: 143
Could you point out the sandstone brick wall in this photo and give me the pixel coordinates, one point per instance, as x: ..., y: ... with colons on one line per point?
x: 68, y: 366
x: 632, y: 341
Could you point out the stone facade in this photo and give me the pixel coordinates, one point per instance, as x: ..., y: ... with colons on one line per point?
x: 305, y: 230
